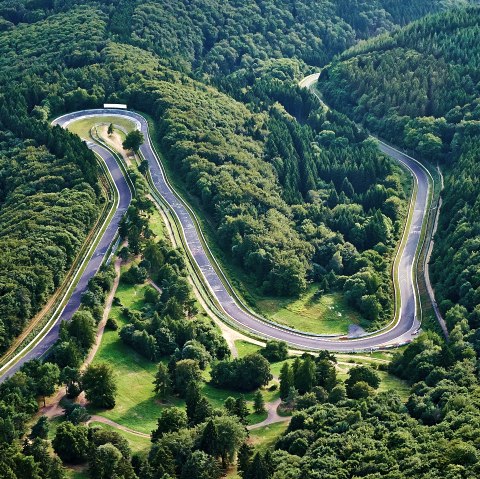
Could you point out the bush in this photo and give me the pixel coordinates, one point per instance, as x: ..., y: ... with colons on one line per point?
x: 135, y: 275
x: 275, y: 351
x: 71, y: 443
x: 244, y: 374
x: 111, y: 324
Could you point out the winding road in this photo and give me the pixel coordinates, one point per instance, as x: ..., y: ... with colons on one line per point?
x: 402, y: 331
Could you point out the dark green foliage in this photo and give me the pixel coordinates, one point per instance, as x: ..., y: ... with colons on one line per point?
x: 275, y: 351
x: 140, y: 341
x: 241, y: 409
x: 363, y: 374
x: 286, y: 380
x: 201, y: 466
x: 133, y: 141
x: 325, y: 373
x: 71, y: 442
x: 111, y: 324
x: 82, y: 329
x: 434, y: 426
x: 40, y: 429
x: 259, y: 403
x: 99, y: 384
x: 76, y: 414
x: 244, y: 374
x: 34, y: 264
x: 192, y: 399
x: 291, y: 202
x: 419, y: 88
x: 168, y: 323
x: 163, y: 382
x: 209, y: 438
x: 186, y: 372
x: 305, y: 377
x: 172, y: 419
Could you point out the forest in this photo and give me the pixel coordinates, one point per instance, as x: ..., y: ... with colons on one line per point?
x: 295, y: 194
x: 290, y: 203
x: 437, y: 119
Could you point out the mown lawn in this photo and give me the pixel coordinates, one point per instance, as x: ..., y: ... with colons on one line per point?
x: 265, y: 437
x: 325, y: 314
x: 136, y: 406
x: 244, y: 347
x: 82, y: 127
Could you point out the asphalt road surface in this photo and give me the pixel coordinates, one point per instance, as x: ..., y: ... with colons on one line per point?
x: 403, y: 331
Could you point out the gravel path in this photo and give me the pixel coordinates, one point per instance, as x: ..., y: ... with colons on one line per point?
x: 273, y: 416
x: 114, y: 424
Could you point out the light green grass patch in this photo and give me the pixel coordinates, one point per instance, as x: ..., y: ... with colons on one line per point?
x: 388, y: 381
x: 136, y: 405
x: 326, y: 314
x: 137, y: 444
x: 265, y: 437
x: 83, y: 126
x: 244, y: 348
x: 275, y: 368
x: 217, y: 396
x: 255, y: 418
x: 156, y: 224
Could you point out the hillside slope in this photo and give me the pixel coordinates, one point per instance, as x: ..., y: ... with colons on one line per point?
x: 420, y: 88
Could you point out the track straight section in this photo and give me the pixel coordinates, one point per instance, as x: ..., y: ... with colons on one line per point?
x: 401, y: 331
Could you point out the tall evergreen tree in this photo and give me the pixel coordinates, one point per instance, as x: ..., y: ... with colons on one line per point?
x: 286, y: 380
x: 209, y: 438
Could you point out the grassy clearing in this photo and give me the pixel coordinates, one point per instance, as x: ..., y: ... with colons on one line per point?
x: 255, y: 418
x: 136, y: 405
x: 265, y: 437
x: 217, y: 396
x: 138, y: 444
x: 244, y: 347
x: 327, y: 314
x: 157, y: 225
x: 388, y: 381
x: 82, y: 127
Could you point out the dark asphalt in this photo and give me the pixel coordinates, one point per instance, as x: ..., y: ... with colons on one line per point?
x: 93, y: 265
x: 403, y: 331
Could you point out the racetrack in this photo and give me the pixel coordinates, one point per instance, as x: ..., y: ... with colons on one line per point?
x: 402, y: 331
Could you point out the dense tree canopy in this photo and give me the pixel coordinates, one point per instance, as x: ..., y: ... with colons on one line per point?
x: 293, y: 193
x: 419, y: 87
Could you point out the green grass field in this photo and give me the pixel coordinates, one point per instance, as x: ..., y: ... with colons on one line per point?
x: 82, y: 127
x: 264, y: 438
x: 244, y: 348
x: 327, y: 314
x: 136, y: 405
